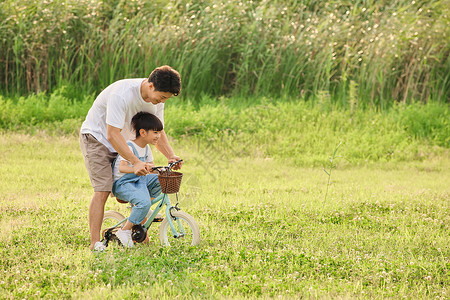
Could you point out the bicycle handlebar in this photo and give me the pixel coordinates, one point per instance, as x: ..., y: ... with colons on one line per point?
x: 169, y: 166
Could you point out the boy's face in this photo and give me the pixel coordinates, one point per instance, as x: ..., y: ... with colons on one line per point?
x: 149, y: 94
x: 150, y: 136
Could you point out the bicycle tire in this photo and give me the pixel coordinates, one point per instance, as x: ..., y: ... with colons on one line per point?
x: 110, y: 218
x: 192, y: 236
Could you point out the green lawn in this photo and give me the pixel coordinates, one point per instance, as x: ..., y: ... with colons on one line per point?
x: 267, y: 230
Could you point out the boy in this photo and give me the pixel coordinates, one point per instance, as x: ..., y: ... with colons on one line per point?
x: 129, y: 187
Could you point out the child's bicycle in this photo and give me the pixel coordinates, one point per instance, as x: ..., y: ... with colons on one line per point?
x: 178, y: 227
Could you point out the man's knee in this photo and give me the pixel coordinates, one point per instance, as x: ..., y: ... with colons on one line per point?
x: 100, y: 197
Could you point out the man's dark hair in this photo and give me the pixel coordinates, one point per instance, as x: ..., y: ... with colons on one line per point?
x: 166, y: 79
x: 146, y: 121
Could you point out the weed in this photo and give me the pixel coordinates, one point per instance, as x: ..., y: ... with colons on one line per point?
x: 331, y: 166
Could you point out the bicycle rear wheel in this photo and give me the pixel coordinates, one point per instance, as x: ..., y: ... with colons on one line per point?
x: 111, y: 218
x: 186, y: 227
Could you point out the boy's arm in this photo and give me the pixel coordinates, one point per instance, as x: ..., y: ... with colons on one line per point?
x: 118, y: 142
x: 125, y: 168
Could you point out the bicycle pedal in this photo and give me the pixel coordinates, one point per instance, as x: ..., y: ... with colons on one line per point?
x: 111, y: 231
x: 158, y: 219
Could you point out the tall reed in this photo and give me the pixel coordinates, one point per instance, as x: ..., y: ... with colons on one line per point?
x: 379, y: 51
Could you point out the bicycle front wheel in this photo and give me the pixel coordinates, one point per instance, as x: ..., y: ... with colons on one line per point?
x: 188, y: 233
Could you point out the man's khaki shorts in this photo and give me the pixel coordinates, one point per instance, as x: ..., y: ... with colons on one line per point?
x: 98, y: 160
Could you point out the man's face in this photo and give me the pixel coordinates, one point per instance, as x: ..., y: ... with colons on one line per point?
x: 153, y: 96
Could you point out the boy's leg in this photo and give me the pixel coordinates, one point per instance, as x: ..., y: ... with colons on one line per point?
x: 137, y: 194
x: 154, y: 189
x: 153, y: 186
x: 142, y: 204
x: 128, y: 225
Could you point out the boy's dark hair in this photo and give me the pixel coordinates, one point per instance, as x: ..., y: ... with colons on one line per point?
x: 166, y: 79
x: 146, y: 121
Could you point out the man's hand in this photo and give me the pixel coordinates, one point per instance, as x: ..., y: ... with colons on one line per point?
x: 140, y: 168
x: 175, y: 158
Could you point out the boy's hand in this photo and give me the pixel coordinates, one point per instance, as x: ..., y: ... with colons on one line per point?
x: 174, y: 159
x: 150, y: 166
x: 140, y: 168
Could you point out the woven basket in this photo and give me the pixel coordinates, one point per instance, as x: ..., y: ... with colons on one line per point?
x: 170, y: 182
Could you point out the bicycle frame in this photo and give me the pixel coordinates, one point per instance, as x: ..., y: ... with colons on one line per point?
x: 163, y: 199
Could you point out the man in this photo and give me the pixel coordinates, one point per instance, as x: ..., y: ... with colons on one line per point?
x: 108, y: 126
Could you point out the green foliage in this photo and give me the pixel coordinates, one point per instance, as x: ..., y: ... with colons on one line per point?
x: 431, y: 121
x: 302, y: 133
x: 377, y: 51
x: 38, y: 109
x: 298, y: 131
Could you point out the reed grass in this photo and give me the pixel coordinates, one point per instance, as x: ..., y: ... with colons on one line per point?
x: 379, y: 52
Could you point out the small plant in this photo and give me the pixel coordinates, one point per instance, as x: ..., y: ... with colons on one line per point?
x: 331, y: 166
x: 353, y: 96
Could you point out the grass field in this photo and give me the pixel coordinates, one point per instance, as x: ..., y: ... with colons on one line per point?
x: 267, y: 229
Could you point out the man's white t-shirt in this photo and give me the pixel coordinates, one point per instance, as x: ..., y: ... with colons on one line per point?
x: 116, y: 105
x: 141, y: 152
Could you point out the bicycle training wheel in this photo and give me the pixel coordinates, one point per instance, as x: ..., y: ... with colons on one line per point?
x: 189, y: 231
x: 111, y: 218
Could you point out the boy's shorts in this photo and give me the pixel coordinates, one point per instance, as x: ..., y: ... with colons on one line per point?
x: 98, y: 160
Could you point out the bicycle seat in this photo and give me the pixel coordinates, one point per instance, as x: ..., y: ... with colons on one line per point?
x: 121, y: 201
x: 117, y: 199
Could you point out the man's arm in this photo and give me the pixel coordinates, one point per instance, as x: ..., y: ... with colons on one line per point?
x: 164, y: 147
x: 118, y: 142
x: 124, y: 167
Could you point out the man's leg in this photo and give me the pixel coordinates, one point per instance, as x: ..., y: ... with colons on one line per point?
x: 97, y: 159
x: 96, y: 211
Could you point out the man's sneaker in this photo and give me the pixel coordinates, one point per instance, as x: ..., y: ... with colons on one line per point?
x: 124, y: 237
x: 99, y: 247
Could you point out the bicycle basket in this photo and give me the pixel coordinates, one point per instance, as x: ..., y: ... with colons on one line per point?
x: 170, y: 182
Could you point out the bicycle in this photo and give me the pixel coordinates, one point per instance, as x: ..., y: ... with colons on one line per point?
x: 177, y: 227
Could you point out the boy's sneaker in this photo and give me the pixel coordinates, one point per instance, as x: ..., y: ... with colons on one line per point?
x: 124, y: 237
x: 99, y: 247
